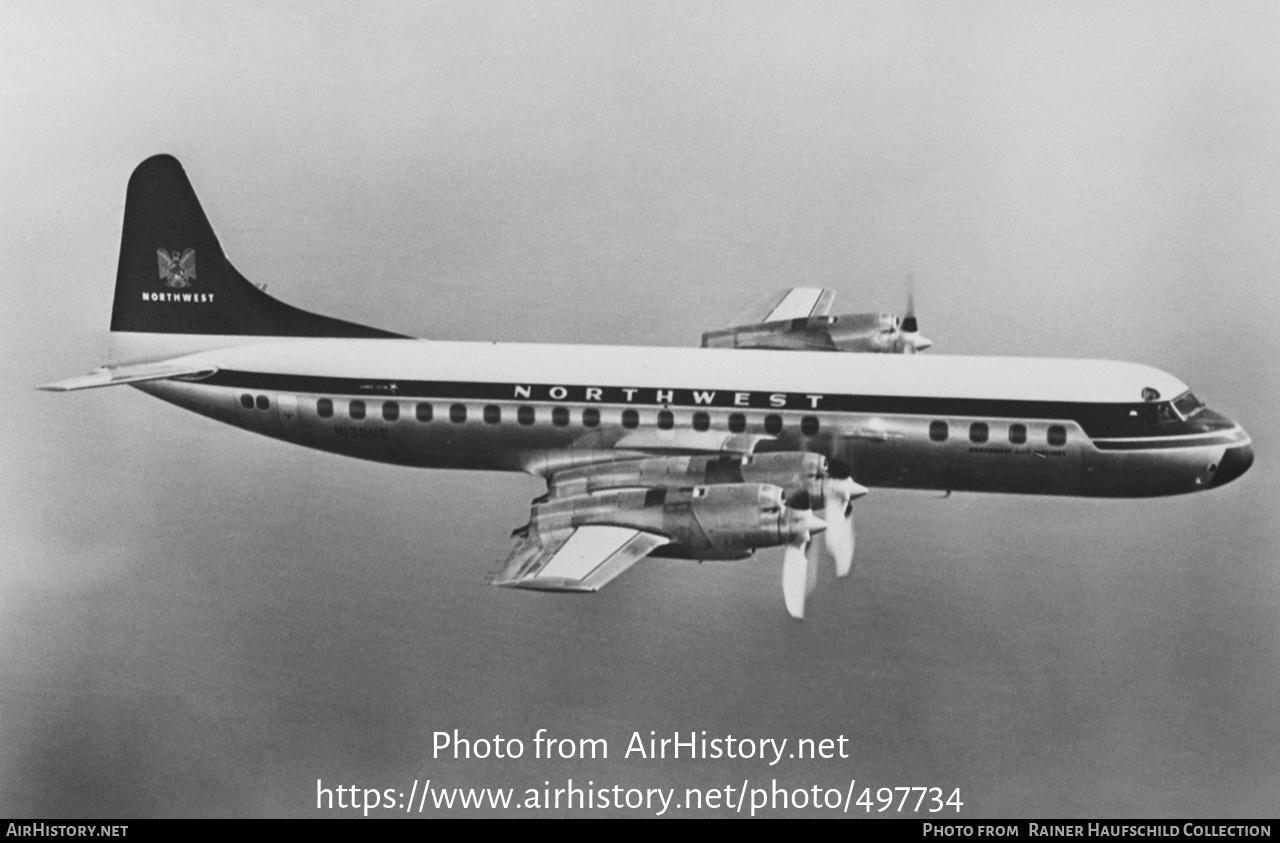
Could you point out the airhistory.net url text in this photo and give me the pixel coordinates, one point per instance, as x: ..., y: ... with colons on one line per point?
x: 422, y: 797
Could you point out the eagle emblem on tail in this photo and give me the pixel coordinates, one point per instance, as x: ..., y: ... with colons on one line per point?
x: 177, y: 270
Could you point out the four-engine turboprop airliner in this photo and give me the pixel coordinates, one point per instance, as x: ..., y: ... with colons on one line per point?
x: 755, y: 441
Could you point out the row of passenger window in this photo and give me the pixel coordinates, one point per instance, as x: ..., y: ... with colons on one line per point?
x: 560, y: 416
x: 980, y: 433
x: 939, y: 431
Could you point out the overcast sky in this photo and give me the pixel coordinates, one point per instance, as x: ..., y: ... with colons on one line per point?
x: 197, y: 621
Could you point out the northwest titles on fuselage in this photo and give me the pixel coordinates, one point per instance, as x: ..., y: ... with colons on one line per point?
x: 668, y: 397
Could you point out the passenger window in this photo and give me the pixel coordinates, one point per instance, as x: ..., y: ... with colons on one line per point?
x: 524, y: 415
x: 979, y: 432
x: 423, y: 412
x: 772, y: 424
x: 1017, y: 434
x: 356, y: 409
x: 263, y: 403
x: 324, y: 408
x: 591, y: 417
x: 666, y: 420
x: 246, y: 401
x: 809, y: 425
x: 630, y: 419
x: 737, y: 422
x: 390, y: 410
x: 457, y: 413
x: 938, y: 431
x: 701, y: 421
x: 560, y: 416
x: 492, y: 414
x: 1057, y: 434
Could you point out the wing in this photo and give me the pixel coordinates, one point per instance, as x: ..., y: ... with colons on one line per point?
x: 794, y: 319
x: 582, y: 558
x: 690, y: 441
x: 597, y: 520
x: 800, y: 319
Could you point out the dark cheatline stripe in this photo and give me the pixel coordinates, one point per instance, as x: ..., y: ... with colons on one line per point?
x: 1168, y: 442
x: 1097, y: 420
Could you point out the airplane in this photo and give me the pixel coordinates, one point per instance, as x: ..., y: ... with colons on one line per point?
x: 764, y: 437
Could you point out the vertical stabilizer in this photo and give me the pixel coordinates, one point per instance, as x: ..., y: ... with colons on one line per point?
x: 174, y: 279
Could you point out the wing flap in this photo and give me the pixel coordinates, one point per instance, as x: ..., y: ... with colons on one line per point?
x: 581, y: 559
x: 119, y: 375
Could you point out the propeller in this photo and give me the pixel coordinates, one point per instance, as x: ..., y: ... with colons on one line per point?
x: 799, y: 573
x: 910, y: 339
x: 795, y: 579
x: 840, y: 493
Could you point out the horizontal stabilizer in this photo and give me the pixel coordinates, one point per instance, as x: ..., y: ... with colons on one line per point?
x: 581, y: 559
x: 115, y: 376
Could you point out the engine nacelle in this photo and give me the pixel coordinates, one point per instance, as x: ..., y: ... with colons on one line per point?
x: 801, y: 334
x: 793, y: 471
x: 707, y: 521
x: 881, y: 333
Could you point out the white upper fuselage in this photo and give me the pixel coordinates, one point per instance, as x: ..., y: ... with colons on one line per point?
x: 729, y: 370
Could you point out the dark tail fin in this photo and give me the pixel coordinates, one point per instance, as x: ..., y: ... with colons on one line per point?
x: 174, y: 279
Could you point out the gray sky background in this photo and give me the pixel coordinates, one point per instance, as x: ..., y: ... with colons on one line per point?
x: 194, y: 621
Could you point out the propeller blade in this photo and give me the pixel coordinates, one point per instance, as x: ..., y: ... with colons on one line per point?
x: 811, y: 571
x: 839, y: 534
x: 838, y: 496
x: 795, y: 578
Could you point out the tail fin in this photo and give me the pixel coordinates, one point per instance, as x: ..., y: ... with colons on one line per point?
x: 173, y: 277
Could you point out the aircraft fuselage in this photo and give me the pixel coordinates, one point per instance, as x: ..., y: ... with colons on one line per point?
x: 988, y: 424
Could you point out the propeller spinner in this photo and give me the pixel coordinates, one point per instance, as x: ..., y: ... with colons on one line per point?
x: 909, y: 339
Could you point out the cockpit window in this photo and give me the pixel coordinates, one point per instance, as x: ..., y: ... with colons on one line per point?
x: 1167, y: 413
x: 1188, y: 405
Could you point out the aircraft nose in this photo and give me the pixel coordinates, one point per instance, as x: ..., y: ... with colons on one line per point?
x: 1235, y: 461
